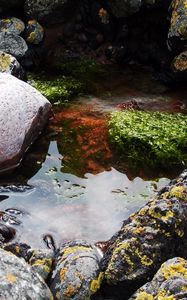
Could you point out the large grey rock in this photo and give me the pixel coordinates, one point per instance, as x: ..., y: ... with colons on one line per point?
x: 170, y: 282
x: 10, y: 65
x: 77, y: 273
x: 18, y: 281
x: 13, y: 44
x: 50, y: 11
x: 23, y: 114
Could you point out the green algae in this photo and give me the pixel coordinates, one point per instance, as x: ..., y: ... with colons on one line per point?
x: 58, y: 89
x: 152, y: 138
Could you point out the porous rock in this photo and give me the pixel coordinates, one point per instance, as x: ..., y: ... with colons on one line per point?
x: 77, y: 274
x: 177, y: 35
x: 170, y: 282
x: 50, y: 11
x: 13, y: 44
x: 23, y: 114
x: 10, y: 65
x: 18, y: 281
x: 148, y: 238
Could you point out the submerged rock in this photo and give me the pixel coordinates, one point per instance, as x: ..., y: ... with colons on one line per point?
x: 148, y: 238
x: 18, y: 281
x: 10, y: 65
x: 23, y: 114
x: 77, y: 274
x: 13, y: 44
x: 170, y: 282
x: 177, y: 35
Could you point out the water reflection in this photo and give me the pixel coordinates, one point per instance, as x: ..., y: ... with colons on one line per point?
x: 68, y: 207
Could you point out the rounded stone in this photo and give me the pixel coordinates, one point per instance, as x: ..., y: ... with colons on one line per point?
x: 23, y: 113
x: 12, y: 25
x: 77, y: 274
x: 34, y: 32
x: 13, y: 44
x: 18, y: 281
x: 10, y: 65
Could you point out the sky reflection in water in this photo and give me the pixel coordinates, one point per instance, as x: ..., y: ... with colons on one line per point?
x: 69, y: 207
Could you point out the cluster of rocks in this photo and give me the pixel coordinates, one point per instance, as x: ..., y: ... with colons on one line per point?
x: 145, y: 259
x: 148, y: 31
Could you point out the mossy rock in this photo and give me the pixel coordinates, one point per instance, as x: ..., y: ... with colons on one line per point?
x: 152, y: 138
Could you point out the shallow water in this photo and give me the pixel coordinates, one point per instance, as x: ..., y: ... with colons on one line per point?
x: 77, y: 186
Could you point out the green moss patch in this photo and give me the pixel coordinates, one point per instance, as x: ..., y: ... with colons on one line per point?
x: 58, y: 89
x: 151, y: 138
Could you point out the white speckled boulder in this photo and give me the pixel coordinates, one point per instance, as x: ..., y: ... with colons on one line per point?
x: 23, y: 114
x: 18, y: 281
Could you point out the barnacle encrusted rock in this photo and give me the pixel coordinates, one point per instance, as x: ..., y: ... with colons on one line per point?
x: 23, y: 114
x: 169, y: 283
x: 177, y: 35
x: 18, y: 281
x: 148, y: 238
x: 77, y: 274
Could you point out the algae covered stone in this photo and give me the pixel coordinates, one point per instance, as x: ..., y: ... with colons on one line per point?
x: 147, y: 239
x: 18, y: 281
x: 77, y: 274
x: 169, y: 283
x: 162, y: 136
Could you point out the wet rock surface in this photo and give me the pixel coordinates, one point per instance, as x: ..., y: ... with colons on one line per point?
x: 18, y: 281
x: 170, y: 282
x: 77, y: 275
x: 24, y: 112
x: 147, y: 239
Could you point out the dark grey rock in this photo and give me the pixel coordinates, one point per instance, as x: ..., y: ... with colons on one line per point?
x: 170, y: 282
x: 13, y: 44
x: 18, y: 281
x: 50, y: 11
x: 148, y: 238
x: 77, y: 274
x: 177, y: 36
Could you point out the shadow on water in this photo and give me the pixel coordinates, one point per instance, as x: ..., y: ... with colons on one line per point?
x: 71, y: 184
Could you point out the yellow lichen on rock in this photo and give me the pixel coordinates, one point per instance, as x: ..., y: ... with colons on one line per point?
x: 179, y: 192
x: 11, y: 278
x: 96, y: 283
x: 144, y: 296
x: 174, y: 269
